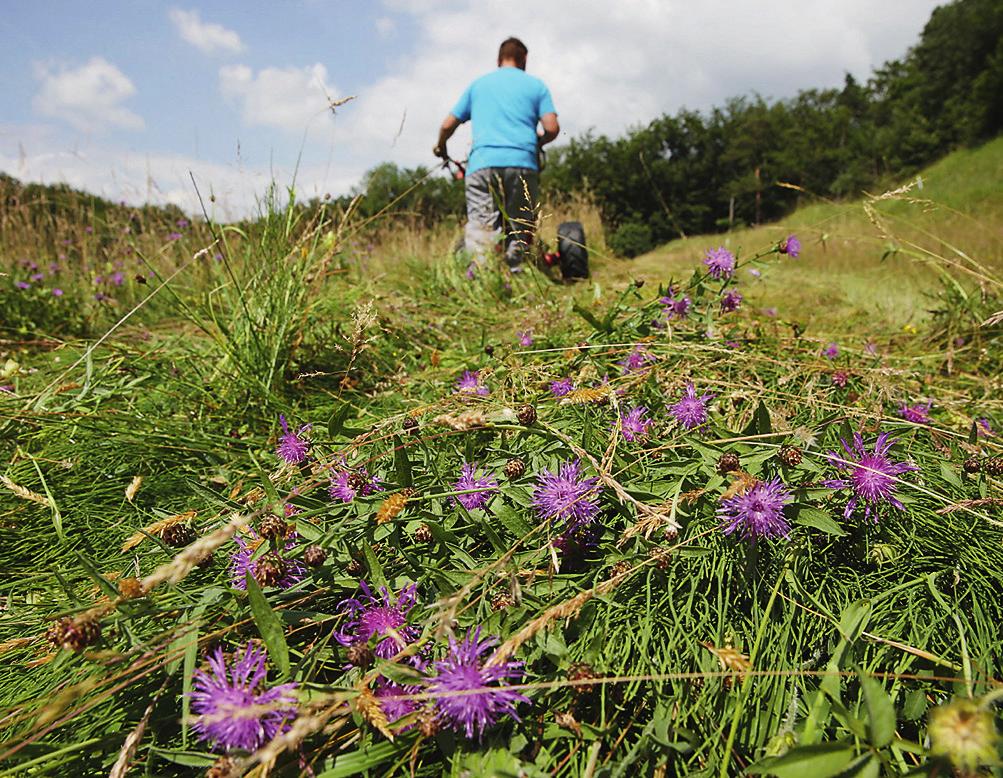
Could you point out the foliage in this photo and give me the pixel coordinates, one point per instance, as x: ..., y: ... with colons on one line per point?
x: 630, y: 239
x: 702, y: 172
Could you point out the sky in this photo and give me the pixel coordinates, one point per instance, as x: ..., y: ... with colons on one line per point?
x: 147, y: 101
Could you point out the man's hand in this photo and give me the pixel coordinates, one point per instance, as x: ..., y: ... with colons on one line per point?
x: 449, y: 125
x: 440, y: 151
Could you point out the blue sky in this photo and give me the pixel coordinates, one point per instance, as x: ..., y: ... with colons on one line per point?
x: 124, y: 98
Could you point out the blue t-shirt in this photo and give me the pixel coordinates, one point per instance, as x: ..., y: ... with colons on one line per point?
x: 505, y: 106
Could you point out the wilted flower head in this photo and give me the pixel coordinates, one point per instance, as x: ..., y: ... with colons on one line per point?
x: 871, y: 475
x: 235, y: 707
x: 470, y: 383
x: 288, y: 571
x: 840, y: 378
x: 634, y: 423
x: 917, y: 414
x: 469, y: 479
x: 758, y: 512
x: 347, y: 484
x: 964, y: 732
x: 790, y: 246
x: 561, y: 387
x: 720, y: 263
x: 371, y: 616
x: 691, y: 411
x: 471, y: 696
x: 731, y: 301
x: 637, y: 359
x: 566, y: 494
x: 292, y: 448
x: 831, y: 351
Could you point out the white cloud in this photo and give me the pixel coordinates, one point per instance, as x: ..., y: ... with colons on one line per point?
x: 88, y: 97
x: 626, y: 64
x: 386, y: 26
x: 289, y: 98
x: 37, y: 153
x: 208, y: 37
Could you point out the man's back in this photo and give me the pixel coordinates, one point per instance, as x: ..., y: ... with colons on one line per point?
x: 504, y: 107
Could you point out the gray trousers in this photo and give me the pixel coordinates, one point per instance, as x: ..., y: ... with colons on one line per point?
x: 501, y: 201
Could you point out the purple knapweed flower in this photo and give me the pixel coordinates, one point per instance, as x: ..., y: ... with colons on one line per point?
x: 7, y: 389
x: 691, y: 411
x: 917, y: 414
x: 242, y: 562
x: 346, y: 484
x: 755, y: 272
x: 377, y: 617
x: 871, y: 348
x: 174, y: 236
x: 471, y: 272
x: 636, y: 360
x: 871, y: 475
x: 525, y: 338
x: 36, y: 277
x: 469, y: 479
x: 634, y: 423
x: 182, y: 223
x: 790, y: 246
x: 720, y: 263
x: 397, y: 701
x: 22, y: 285
x: 983, y: 429
x: 675, y: 308
x: 235, y: 708
x: 116, y: 278
x: 561, y: 387
x: 758, y: 512
x: 566, y: 494
x: 771, y: 312
x: 831, y: 351
x: 840, y: 378
x: 470, y: 695
x: 470, y: 383
x: 57, y: 292
x: 731, y: 301
x: 292, y: 448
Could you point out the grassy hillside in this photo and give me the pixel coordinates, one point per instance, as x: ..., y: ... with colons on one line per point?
x: 865, y: 270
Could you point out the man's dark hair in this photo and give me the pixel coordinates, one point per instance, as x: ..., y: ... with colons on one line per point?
x: 514, y: 49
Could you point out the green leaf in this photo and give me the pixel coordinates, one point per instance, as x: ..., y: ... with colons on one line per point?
x: 880, y: 712
x: 103, y: 583
x: 513, y: 522
x: 949, y: 474
x: 360, y: 761
x: 820, y: 520
x: 336, y: 424
x: 915, y: 705
x: 269, y: 626
x: 401, y: 462
x: 375, y: 568
x: 973, y: 434
x: 186, y: 758
x: 822, y: 760
x: 587, y: 315
x: 853, y: 619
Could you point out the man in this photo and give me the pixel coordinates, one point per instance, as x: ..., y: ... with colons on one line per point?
x: 502, y: 178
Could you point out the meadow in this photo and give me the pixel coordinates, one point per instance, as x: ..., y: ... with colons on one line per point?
x: 309, y: 495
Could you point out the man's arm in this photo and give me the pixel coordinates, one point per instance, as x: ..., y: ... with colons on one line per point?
x: 449, y: 125
x: 551, y: 128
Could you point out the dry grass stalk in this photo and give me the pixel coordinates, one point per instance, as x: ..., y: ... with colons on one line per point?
x: 370, y: 709
x: 392, y: 506
x: 7, y: 645
x: 133, y: 487
x: 597, y: 394
x: 156, y: 528
x: 468, y: 420
x: 182, y: 564
x: 729, y: 658
x: 121, y: 767
x: 24, y: 494
x: 993, y: 502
